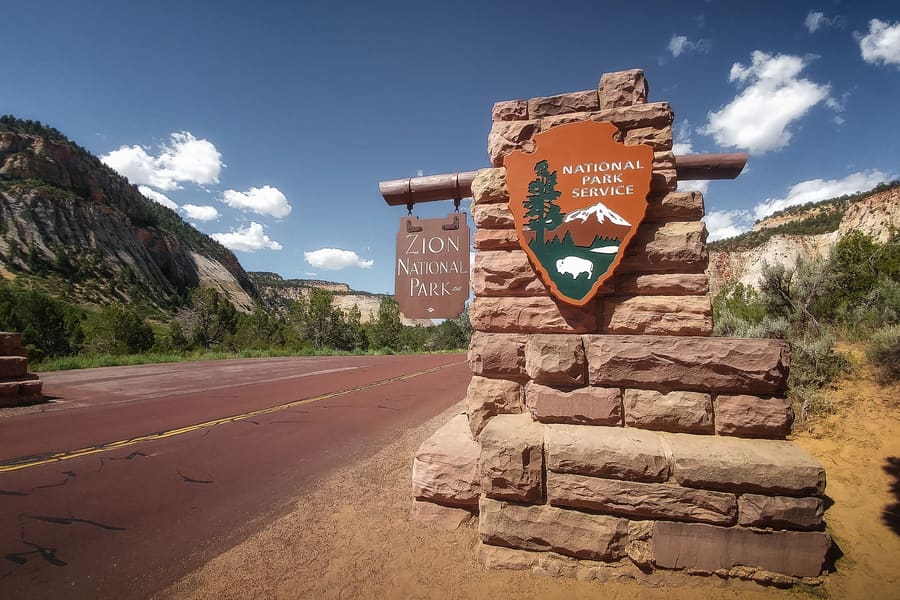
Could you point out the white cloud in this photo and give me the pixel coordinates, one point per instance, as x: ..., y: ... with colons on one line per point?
x: 184, y: 158
x: 334, y: 259
x: 157, y: 197
x: 816, y: 20
x: 248, y: 239
x: 266, y: 200
x: 699, y: 185
x: 200, y: 213
x: 881, y: 44
x: 682, y: 136
x: 723, y: 224
x: 679, y: 45
x: 815, y: 190
x: 776, y: 96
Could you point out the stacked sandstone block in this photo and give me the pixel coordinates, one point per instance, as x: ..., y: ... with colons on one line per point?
x: 619, y: 432
x: 17, y: 386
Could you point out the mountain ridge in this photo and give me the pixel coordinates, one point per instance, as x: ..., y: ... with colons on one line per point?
x: 807, y: 231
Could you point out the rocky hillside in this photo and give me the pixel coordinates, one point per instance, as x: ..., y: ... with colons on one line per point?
x: 277, y: 293
x: 804, y: 231
x: 68, y: 220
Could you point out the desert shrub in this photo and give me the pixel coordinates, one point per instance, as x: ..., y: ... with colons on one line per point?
x: 814, y: 361
x: 814, y: 365
x: 884, y: 352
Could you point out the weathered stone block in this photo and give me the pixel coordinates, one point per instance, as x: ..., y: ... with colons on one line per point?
x: 581, y: 406
x: 555, y: 359
x: 700, y: 364
x: 492, y: 216
x: 780, y: 512
x: 545, y: 528
x: 653, y: 114
x: 752, y: 416
x: 575, y: 117
x: 620, y: 453
x: 497, y: 355
x: 663, y: 284
x: 658, y: 138
x: 510, y: 110
x: 735, y: 464
x: 13, y: 366
x: 658, y: 315
x: 495, y: 239
x: 709, y: 548
x: 445, y: 468
x: 489, y: 186
x: 439, y: 516
x: 506, y: 136
x: 505, y: 273
x: 641, y: 500
x: 10, y: 343
x: 537, y: 314
x: 671, y: 247
x: 622, y: 88
x: 512, y: 458
x: 674, y: 206
x: 663, y: 160
x: 663, y: 181
x: 486, y: 398
x: 688, y: 412
x: 574, y: 102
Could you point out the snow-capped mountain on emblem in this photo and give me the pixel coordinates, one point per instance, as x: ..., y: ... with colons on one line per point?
x: 600, y: 211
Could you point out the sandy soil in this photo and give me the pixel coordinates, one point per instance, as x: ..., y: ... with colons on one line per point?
x: 351, y: 536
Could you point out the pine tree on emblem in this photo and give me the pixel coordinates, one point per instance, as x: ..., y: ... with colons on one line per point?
x: 542, y: 212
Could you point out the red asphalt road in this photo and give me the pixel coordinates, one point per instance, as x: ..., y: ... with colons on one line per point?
x: 128, y: 521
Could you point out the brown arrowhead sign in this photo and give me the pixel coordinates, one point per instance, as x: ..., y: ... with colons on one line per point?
x: 431, y: 279
x: 577, y: 201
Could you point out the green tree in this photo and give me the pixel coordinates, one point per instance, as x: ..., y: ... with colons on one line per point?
x: 386, y: 330
x: 211, y: 317
x: 541, y: 210
x: 257, y: 331
x: 117, y: 329
x: 49, y: 327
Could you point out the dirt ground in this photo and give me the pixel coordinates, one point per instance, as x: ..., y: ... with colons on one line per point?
x: 351, y: 538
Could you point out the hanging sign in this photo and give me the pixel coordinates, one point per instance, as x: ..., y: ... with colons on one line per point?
x: 577, y: 201
x: 431, y: 278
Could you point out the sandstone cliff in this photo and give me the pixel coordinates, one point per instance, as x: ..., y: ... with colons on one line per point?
x: 742, y: 258
x: 277, y: 293
x: 67, y: 217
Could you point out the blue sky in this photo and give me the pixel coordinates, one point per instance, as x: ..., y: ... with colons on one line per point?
x: 270, y: 124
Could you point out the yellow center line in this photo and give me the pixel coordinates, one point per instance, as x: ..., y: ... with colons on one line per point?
x: 16, y: 464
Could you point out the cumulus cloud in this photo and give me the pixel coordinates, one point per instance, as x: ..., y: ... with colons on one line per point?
x: 680, y: 44
x: 682, y: 140
x: 815, y: 190
x: 249, y: 239
x: 200, y: 213
x: 723, y: 224
x: 693, y: 186
x: 184, y: 159
x: 334, y: 259
x: 157, y: 197
x: 816, y: 21
x: 266, y: 200
x: 881, y: 44
x: 774, y: 97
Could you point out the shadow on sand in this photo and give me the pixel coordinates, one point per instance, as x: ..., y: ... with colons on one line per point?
x: 891, y: 513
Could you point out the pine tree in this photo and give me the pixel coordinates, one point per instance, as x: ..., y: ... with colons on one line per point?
x: 542, y: 212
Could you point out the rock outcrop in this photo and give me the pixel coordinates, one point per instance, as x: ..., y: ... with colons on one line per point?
x: 64, y: 213
x: 874, y: 214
